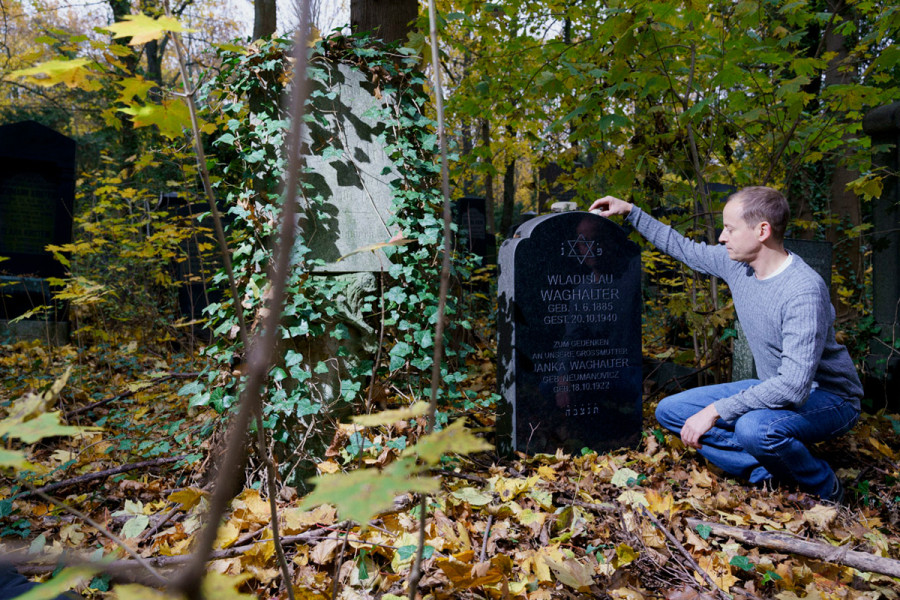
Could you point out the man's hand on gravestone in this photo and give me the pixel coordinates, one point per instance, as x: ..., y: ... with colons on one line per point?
x: 610, y: 205
x: 697, y: 425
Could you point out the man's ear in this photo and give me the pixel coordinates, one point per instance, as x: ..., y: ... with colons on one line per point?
x: 763, y: 231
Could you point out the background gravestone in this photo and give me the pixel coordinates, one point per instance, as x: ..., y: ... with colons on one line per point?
x: 195, y: 270
x: 883, y: 125
x: 569, y: 336
x: 470, y: 216
x: 37, y: 194
x: 355, y: 180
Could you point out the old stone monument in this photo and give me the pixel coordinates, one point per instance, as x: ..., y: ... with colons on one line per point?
x: 883, y: 125
x: 569, y: 336
x: 349, y: 167
x: 470, y: 216
x: 37, y: 193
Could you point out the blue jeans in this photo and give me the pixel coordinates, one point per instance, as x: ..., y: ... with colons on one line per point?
x: 763, y: 444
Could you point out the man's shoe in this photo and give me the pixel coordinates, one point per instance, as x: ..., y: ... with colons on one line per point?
x: 837, y: 492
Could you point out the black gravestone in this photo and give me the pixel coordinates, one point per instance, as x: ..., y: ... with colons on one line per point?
x: 569, y: 336
x: 37, y: 193
x: 470, y: 215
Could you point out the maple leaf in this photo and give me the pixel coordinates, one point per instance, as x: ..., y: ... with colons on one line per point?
x: 170, y: 116
x: 361, y: 494
x: 134, y: 87
x: 572, y: 572
x: 63, y: 582
x: 73, y: 73
x: 454, y: 438
x: 388, y: 417
x: 142, y: 28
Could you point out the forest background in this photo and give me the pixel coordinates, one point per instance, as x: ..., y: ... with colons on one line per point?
x: 649, y: 101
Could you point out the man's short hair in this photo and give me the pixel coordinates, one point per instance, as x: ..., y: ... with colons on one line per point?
x: 762, y: 203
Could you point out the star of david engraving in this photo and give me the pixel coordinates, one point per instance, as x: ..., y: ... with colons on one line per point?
x: 587, y: 250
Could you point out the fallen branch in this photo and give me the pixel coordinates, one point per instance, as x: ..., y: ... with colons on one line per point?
x: 685, y: 554
x: 840, y: 555
x: 123, y: 395
x: 99, y: 475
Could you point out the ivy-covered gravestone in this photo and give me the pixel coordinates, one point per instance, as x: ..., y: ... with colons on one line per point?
x: 349, y: 168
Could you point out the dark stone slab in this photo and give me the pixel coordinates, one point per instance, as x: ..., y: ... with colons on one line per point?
x: 569, y: 336
x: 37, y: 194
x: 470, y: 216
x: 882, y: 380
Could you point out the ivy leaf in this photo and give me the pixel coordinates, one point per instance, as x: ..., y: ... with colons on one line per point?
x: 142, y: 28
x: 704, y: 530
x: 74, y: 73
x: 359, y: 495
x: 391, y: 416
x: 454, y: 438
x: 742, y: 562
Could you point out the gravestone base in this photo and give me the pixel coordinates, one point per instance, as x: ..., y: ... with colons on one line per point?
x: 55, y: 333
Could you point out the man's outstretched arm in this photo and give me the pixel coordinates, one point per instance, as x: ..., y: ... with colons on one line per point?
x: 610, y: 205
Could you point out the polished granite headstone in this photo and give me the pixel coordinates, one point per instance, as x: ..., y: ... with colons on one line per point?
x: 569, y: 336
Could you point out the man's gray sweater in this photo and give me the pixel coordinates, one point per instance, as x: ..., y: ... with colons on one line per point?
x: 788, y: 320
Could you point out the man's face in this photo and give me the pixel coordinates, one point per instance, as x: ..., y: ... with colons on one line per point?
x: 740, y: 239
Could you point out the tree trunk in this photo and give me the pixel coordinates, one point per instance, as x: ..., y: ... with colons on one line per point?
x: 128, y: 142
x: 488, y: 179
x: 390, y: 20
x: 509, y: 196
x: 264, y: 18
x: 844, y: 204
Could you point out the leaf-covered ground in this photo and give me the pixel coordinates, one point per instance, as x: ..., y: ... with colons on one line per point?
x: 592, y: 526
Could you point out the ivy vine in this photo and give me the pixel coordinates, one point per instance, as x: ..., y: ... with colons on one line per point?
x: 243, y: 100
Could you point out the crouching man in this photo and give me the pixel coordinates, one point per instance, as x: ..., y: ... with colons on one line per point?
x: 808, y: 390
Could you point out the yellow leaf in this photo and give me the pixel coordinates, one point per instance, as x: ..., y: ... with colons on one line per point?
x: 297, y: 520
x: 508, y: 489
x: 228, y: 534
x: 388, y: 417
x: 224, y: 587
x: 820, y: 516
x: 632, y: 498
x: 187, y: 498
x: 659, y: 504
x: 73, y: 73
x: 572, y: 573
x: 64, y: 581
x: 883, y: 448
x: 454, y: 438
x: 170, y: 116
x: 625, y: 554
x: 328, y: 467
x: 142, y: 28
x: 249, y: 506
x: 325, y: 551
x: 547, y: 472
x: 701, y: 478
x: 718, y: 569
